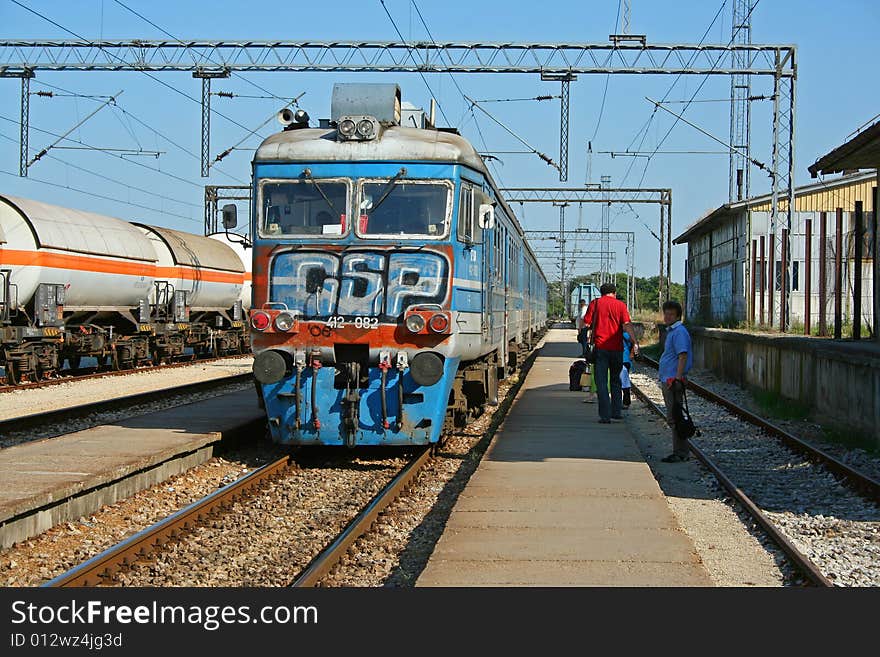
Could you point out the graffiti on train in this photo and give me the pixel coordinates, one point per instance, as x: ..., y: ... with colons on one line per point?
x: 381, y: 284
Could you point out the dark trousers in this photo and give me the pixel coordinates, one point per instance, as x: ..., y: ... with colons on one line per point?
x: 582, y: 341
x: 608, y: 365
x: 673, y: 397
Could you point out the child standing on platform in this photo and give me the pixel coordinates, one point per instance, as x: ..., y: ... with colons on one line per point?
x: 625, y: 384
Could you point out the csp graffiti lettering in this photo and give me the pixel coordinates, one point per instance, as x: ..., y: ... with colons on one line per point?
x: 359, y: 284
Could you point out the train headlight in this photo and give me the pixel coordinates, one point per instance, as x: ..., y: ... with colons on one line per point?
x: 285, y: 322
x: 439, y: 323
x: 415, y: 323
x: 260, y: 321
x: 346, y: 128
x: 365, y: 128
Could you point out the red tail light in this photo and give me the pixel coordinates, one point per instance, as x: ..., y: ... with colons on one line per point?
x: 439, y: 323
x: 260, y: 321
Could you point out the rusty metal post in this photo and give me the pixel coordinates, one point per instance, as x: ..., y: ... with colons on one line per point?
x: 783, y: 283
x: 771, y: 278
x: 808, y: 275
x: 858, y: 238
x: 752, y: 286
x: 823, y: 273
x: 838, y: 274
x: 763, y: 281
x: 875, y: 255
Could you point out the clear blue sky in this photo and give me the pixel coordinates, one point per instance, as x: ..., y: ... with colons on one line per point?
x: 837, y: 92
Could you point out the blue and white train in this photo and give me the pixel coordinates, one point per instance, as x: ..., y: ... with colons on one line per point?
x: 392, y: 285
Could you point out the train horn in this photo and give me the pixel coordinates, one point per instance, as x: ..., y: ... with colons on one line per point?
x: 288, y: 117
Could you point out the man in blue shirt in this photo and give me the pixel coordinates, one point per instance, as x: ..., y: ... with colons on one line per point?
x: 675, y: 363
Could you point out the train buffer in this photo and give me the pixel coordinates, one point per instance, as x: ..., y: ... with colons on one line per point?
x: 561, y: 500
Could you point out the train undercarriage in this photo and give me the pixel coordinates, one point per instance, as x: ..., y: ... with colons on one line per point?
x: 29, y: 354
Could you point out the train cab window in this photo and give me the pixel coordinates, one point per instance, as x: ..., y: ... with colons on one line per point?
x: 304, y: 208
x: 469, y: 231
x: 395, y: 208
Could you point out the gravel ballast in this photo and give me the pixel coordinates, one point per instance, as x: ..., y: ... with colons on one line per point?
x: 834, y: 526
x: 25, y: 401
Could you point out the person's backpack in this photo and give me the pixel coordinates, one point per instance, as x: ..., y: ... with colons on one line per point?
x: 577, y: 368
x: 684, y: 425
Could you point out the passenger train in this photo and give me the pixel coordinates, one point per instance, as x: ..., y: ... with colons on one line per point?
x: 76, y: 285
x: 392, y: 284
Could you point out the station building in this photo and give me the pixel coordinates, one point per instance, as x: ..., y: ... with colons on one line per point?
x: 728, y: 245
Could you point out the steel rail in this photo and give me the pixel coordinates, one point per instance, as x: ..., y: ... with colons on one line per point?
x: 798, y: 558
x: 96, y: 373
x: 330, y: 556
x: 862, y: 483
x: 23, y: 422
x: 99, y: 568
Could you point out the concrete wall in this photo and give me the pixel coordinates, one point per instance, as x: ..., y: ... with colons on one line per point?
x: 838, y: 381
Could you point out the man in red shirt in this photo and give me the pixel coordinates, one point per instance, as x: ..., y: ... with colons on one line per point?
x: 608, y: 318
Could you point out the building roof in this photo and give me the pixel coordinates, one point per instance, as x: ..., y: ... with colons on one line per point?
x: 703, y: 223
x: 860, y: 152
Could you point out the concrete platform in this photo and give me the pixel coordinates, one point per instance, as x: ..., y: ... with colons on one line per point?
x: 560, y: 500
x: 50, y: 481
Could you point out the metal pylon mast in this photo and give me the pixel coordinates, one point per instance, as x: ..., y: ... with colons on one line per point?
x: 605, y: 270
x: 740, y: 107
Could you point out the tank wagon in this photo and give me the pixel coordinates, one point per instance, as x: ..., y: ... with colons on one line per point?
x: 393, y: 286
x: 76, y: 284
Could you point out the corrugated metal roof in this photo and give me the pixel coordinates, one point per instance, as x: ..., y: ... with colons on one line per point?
x: 860, y: 152
x: 78, y: 231
x: 808, y: 198
x: 197, y: 251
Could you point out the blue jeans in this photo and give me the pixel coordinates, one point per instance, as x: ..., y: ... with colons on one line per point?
x: 583, y: 342
x: 609, y: 363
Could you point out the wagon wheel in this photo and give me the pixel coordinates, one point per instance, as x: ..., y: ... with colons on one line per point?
x: 13, y: 377
x: 74, y: 362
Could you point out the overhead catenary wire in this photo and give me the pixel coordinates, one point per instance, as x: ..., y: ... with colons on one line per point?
x: 244, y: 139
x: 412, y: 57
x: 696, y: 93
x: 100, y: 196
x: 452, y: 77
x: 757, y: 163
x: 100, y: 150
x: 168, y: 34
x: 109, y: 179
x: 130, y: 116
x: 61, y: 138
x: 643, y: 131
x: 121, y: 60
x: 514, y: 100
x: 513, y: 134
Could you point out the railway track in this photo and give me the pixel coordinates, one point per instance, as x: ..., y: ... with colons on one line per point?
x: 799, y: 500
x: 101, y: 569
x: 862, y: 483
x: 327, y: 559
x: 81, y: 374
x: 70, y: 413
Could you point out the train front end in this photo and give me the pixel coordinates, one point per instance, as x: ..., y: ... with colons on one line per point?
x: 352, y: 325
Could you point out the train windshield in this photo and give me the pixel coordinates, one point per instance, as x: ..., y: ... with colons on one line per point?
x: 406, y: 208
x: 304, y: 207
